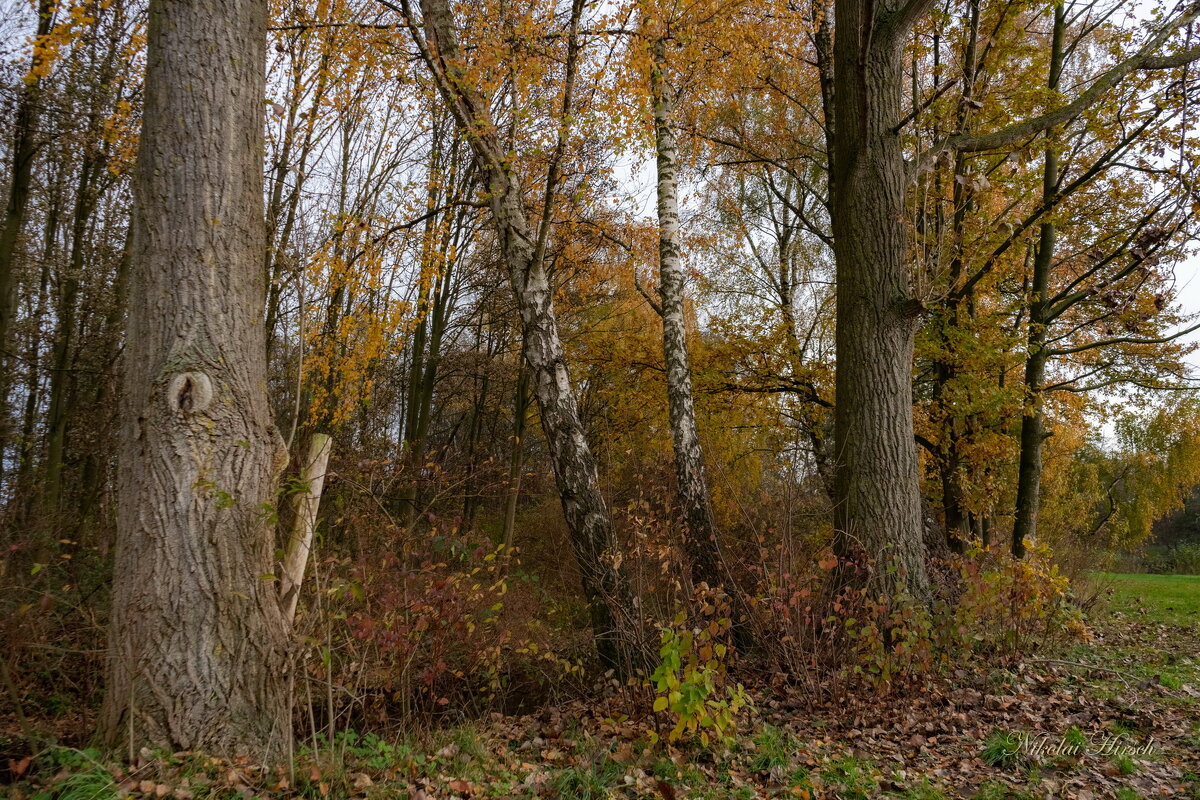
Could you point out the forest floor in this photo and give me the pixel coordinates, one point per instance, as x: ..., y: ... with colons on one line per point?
x: 1115, y: 717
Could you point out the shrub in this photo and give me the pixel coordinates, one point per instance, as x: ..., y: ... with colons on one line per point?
x: 431, y: 625
x: 1186, y: 559
x: 1014, y: 606
x: 691, y: 682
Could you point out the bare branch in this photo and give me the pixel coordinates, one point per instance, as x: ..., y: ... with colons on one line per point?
x: 1063, y: 351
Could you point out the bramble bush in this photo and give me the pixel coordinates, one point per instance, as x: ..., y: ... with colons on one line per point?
x: 431, y: 623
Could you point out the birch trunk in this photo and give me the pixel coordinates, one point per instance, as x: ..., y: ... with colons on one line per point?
x: 306, y: 505
x: 198, y: 645
x: 593, y: 539
x: 691, y: 484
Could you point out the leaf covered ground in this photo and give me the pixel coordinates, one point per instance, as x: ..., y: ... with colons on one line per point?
x: 1115, y: 717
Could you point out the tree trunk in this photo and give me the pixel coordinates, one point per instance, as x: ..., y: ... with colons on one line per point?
x: 700, y: 543
x: 957, y: 311
x: 1029, y: 470
x: 516, y: 460
x: 20, y: 181
x: 306, y: 504
x: 62, y: 378
x: 593, y: 539
x: 198, y: 645
x: 877, y: 507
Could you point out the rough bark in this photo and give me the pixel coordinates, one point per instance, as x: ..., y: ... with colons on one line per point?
x: 691, y: 484
x: 877, y: 506
x: 522, y: 246
x: 1029, y: 469
x: 198, y: 645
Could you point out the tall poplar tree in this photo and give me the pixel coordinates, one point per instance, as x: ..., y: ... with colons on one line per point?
x: 198, y: 643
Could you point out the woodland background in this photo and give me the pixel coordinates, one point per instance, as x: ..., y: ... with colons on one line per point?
x: 440, y: 585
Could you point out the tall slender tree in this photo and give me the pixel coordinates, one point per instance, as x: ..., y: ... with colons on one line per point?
x: 523, y: 248
x: 691, y: 483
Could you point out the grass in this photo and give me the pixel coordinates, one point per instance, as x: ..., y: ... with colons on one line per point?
x: 586, y: 782
x: 852, y: 777
x: 1001, y: 749
x: 1125, y: 765
x: 1167, y: 599
x: 773, y: 748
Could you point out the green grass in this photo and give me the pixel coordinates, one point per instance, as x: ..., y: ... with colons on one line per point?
x: 1001, y: 749
x: 586, y: 782
x: 773, y: 748
x: 851, y: 779
x: 1125, y: 765
x: 1167, y: 599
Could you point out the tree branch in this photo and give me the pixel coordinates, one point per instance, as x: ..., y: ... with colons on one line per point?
x: 1063, y: 351
x: 1145, y: 58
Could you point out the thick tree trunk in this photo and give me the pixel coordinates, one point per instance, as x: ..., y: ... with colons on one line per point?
x: 575, y: 470
x: 198, y: 645
x: 1029, y: 470
x: 877, y: 507
x: 691, y: 484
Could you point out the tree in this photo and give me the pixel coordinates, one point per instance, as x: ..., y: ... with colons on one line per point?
x: 876, y: 497
x: 198, y: 642
x: 23, y: 151
x: 523, y: 248
x: 691, y: 483
x: 877, y: 504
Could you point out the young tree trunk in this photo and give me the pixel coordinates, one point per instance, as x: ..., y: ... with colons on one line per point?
x: 198, y: 644
x: 62, y: 378
x: 20, y: 181
x: 1029, y: 470
x: 691, y: 484
x: 516, y: 458
x: 306, y: 505
x: 877, y: 506
x: 523, y: 248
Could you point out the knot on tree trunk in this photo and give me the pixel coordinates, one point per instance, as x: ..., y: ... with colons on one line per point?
x: 189, y: 392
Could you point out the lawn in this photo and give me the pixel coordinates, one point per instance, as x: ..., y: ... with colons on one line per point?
x: 1166, y: 599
